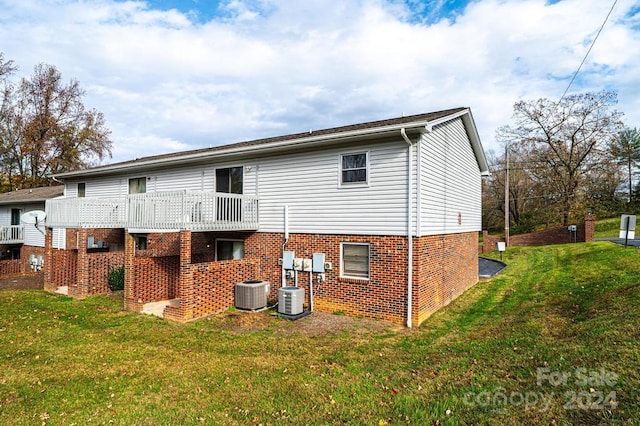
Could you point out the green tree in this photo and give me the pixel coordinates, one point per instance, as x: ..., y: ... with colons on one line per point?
x: 626, y: 150
x: 46, y: 129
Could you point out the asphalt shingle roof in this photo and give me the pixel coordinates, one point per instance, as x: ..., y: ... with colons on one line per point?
x: 31, y: 194
x: 431, y: 116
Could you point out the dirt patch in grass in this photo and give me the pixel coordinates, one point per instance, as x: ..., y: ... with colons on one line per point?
x: 315, y: 324
x: 26, y: 282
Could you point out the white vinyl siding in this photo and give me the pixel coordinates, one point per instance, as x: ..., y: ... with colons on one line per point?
x: 446, y: 185
x: 59, y: 238
x: 179, y: 179
x: 450, y: 186
x: 309, y: 183
x: 32, y: 236
x: 5, y: 216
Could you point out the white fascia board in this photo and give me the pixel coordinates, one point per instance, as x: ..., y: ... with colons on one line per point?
x: 474, y: 137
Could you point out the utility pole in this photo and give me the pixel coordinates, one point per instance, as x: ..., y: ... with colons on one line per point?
x: 506, y: 196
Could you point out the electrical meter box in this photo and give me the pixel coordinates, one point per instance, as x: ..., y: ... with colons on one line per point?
x: 287, y: 259
x: 318, y: 263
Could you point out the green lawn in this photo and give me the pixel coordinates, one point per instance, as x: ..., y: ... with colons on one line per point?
x: 608, y: 228
x: 553, y: 338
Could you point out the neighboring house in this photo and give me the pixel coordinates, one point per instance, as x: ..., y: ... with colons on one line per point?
x: 22, y: 244
x: 394, y: 206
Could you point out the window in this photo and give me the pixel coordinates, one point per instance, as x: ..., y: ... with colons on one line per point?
x: 15, y: 216
x: 353, y: 168
x: 355, y: 260
x: 229, y: 249
x: 141, y: 242
x: 82, y: 189
x: 137, y: 185
x: 229, y: 180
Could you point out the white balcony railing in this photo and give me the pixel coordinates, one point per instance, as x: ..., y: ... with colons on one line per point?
x: 86, y: 212
x: 12, y: 234
x: 157, y: 211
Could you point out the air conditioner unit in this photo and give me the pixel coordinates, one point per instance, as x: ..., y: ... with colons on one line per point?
x: 290, y: 300
x: 251, y: 294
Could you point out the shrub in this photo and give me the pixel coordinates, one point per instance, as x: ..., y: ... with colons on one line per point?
x: 525, y: 225
x: 116, y: 278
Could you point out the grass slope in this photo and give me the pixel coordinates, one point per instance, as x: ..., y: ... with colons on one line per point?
x: 571, y: 309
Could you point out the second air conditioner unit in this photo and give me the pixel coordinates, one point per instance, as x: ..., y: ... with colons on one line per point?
x: 290, y: 300
x: 251, y: 294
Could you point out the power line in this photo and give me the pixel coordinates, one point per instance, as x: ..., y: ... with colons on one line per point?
x: 588, y: 51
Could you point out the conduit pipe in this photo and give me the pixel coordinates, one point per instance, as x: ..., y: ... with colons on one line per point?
x: 403, y: 133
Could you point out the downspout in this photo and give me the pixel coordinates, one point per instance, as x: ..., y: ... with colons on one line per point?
x: 403, y: 133
x: 283, y: 282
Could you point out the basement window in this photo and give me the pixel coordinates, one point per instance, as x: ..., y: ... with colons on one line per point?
x: 354, y: 260
x: 229, y: 249
x: 141, y: 242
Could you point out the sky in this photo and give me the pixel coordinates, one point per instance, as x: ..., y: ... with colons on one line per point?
x: 174, y: 75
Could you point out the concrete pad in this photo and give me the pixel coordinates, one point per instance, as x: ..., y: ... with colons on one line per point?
x: 64, y: 289
x: 157, y: 308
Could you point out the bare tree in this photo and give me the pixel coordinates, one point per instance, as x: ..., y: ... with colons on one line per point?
x: 6, y: 68
x: 45, y: 128
x: 568, y: 138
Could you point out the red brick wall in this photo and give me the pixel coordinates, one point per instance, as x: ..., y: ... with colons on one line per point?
x: 21, y: 266
x: 114, y: 238
x: 84, y: 273
x: 383, y: 296
x: 99, y: 266
x: 211, y: 288
x: 63, y: 269
x: 25, y: 252
x: 11, y: 267
x: 161, y: 244
x: 557, y: 235
x: 444, y: 267
x: 155, y: 278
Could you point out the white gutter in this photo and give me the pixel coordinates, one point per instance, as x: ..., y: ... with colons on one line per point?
x: 409, y: 227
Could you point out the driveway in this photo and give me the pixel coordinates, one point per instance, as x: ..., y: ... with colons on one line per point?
x: 630, y: 242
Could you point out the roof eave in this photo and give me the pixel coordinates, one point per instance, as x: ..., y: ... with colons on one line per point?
x: 272, y: 147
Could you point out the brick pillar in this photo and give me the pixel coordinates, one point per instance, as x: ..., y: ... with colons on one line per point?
x: 183, y: 312
x: 589, y: 227
x: 49, y: 285
x: 80, y: 288
x: 485, y: 242
x: 131, y: 303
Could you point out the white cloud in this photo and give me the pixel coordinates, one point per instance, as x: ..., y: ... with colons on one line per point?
x: 266, y: 68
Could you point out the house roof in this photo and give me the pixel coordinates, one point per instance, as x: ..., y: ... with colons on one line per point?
x: 285, y: 142
x: 31, y: 195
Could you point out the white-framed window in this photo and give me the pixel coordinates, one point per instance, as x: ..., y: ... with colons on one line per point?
x: 229, y: 249
x: 354, y: 168
x: 138, y: 185
x: 354, y: 260
x: 82, y: 189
